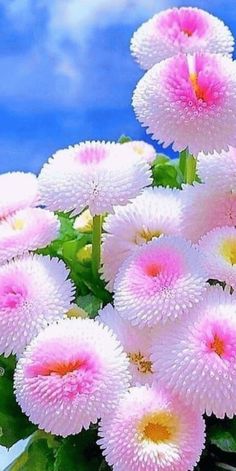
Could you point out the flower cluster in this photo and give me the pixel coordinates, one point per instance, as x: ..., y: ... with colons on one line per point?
x: 127, y: 314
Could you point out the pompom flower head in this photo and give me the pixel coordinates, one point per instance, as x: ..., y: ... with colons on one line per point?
x: 156, y: 212
x: 219, y: 250
x: 96, y: 175
x: 190, y: 101
x: 34, y: 291
x: 142, y: 149
x: 197, y: 358
x: 207, y: 206
x: 28, y: 229
x: 151, y: 430
x: 160, y: 281
x: 218, y: 170
x: 72, y: 374
x: 18, y: 190
x: 136, y: 343
x: 180, y: 30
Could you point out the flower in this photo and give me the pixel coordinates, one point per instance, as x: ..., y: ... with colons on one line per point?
x: 96, y: 175
x: 151, y: 430
x: 34, y: 291
x: 180, y: 30
x: 143, y: 149
x: 70, y: 375
x: 160, y: 281
x: 197, y: 358
x: 27, y: 229
x: 17, y: 191
x: 205, y: 207
x: 84, y: 222
x: 219, y: 250
x: 190, y: 101
x: 218, y: 170
x: 155, y: 212
x: 136, y: 343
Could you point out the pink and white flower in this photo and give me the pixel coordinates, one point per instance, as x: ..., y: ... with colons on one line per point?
x: 71, y: 375
x: 34, y: 291
x: 156, y: 212
x: 96, y: 175
x: 218, y: 170
x: 152, y: 430
x: 142, y: 149
x: 190, y: 102
x: 162, y: 280
x: 197, y: 358
x: 18, y: 190
x: 28, y: 229
x: 180, y: 30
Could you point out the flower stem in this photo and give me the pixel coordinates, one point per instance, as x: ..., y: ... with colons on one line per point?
x: 182, y: 160
x: 96, y: 245
x: 190, y: 172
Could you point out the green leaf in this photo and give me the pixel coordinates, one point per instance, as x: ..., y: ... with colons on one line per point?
x: 223, y: 435
x: 167, y: 174
x: 124, y: 139
x: 160, y: 159
x: 39, y: 454
x: 90, y: 303
x: 14, y: 425
x: 79, y: 453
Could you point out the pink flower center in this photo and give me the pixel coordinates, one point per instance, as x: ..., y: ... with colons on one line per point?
x: 91, y: 155
x: 217, y: 345
x: 153, y: 269
x: 12, y: 296
x: 182, y: 26
x: 220, y: 339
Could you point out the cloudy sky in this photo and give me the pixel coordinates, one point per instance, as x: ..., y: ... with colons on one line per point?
x: 67, y: 75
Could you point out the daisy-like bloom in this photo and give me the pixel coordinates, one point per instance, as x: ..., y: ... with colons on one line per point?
x: 18, y: 190
x: 205, y: 207
x: 219, y: 250
x: 151, y: 430
x: 190, y: 101
x: 218, y: 170
x: 28, y: 229
x: 143, y: 149
x: 71, y: 375
x: 180, y: 30
x: 156, y: 212
x: 34, y: 291
x: 136, y: 343
x: 96, y: 175
x: 160, y: 281
x: 84, y: 222
x: 197, y: 358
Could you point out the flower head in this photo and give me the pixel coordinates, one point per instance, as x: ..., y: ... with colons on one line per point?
x: 34, y: 291
x: 28, y: 229
x: 96, y: 175
x: 156, y: 212
x: 18, y: 190
x: 142, y: 149
x: 136, y: 343
x: 218, y: 170
x: 205, y: 207
x: 70, y: 375
x: 219, y: 250
x: 151, y: 430
x: 180, y: 30
x: 190, y: 101
x: 197, y: 358
x: 160, y: 281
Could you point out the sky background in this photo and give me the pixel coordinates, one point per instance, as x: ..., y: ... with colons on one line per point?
x: 67, y: 76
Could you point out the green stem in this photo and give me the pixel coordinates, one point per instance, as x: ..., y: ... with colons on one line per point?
x: 182, y: 160
x: 190, y: 169
x: 96, y: 245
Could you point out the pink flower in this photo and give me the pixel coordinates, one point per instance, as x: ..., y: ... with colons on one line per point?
x: 96, y: 175
x: 70, y: 375
x: 180, y: 30
x: 142, y: 149
x: 18, y: 190
x: 190, y: 101
x: 151, y: 430
x: 28, y: 229
x: 160, y: 281
x: 34, y: 291
x: 218, y: 170
x: 197, y: 358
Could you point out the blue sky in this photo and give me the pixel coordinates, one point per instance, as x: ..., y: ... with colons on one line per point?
x: 67, y: 74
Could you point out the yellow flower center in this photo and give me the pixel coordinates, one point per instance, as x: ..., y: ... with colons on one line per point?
x: 145, y: 235
x: 18, y: 224
x: 143, y: 365
x: 218, y: 346
x: 199, y: 92
x: 228, y: 251
x: 158, y: 428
